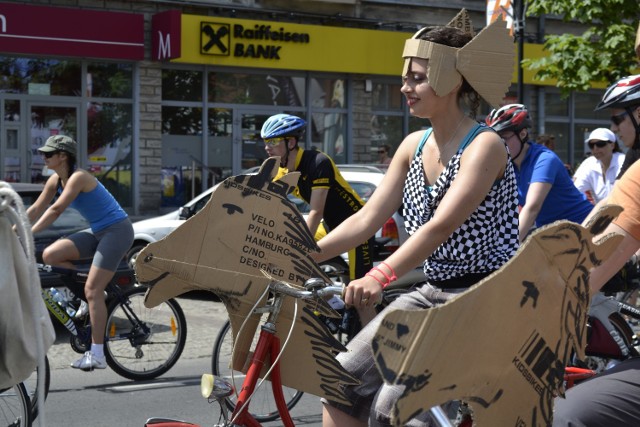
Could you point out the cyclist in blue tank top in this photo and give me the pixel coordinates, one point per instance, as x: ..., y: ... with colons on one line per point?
x: 107, y: 241
x: 546, y: 192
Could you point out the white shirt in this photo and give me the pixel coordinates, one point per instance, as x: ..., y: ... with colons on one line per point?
x: 589, y: 178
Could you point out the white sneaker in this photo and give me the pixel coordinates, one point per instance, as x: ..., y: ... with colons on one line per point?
x: 89, y: 362
x: 83, y: 310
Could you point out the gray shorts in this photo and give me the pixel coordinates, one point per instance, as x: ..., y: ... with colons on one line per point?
x: 372, y: 399
x: 107, y: 247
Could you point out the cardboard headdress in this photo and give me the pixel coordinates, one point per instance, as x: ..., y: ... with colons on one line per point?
x: 486, y: 62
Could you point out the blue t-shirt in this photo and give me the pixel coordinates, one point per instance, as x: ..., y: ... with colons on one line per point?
x: 564, y: 200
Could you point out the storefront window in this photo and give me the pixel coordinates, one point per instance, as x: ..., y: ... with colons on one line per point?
x: 181, y: 85
x: 109, y: 147
x: 554, y: 105
x: 385, y: 130
x: 181, y: 154
x: 585, y: 103
x: 387, y: 96
x: 256, y: 89
x: 40, y: 76
x: 328, y: 93
x: 220, y: 144
x: 109, y: 80
x: 329, y: 133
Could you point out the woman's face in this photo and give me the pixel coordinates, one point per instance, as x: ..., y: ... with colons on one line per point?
x: 622, y: 125
x: 600, y: 152
x: 416, y: 89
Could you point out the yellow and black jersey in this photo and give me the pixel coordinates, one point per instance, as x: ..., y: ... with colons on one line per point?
x: 317, y: 170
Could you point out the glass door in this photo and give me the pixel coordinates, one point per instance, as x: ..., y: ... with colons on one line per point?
x: 250, y: 148
x: 46, y: 121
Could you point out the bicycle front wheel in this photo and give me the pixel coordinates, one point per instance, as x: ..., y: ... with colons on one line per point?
x: 263, y: 405
x: 142, y: 343
x: 15, y: 407
x: 31, y: 384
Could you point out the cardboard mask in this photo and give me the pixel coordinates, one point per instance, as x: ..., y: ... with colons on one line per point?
x: 502, y: 346
x: 486, y: 62
x: 247, y: 226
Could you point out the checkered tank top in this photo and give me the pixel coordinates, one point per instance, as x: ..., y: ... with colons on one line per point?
x: 486, y: 240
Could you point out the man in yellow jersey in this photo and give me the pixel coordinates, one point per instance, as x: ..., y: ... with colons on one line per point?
x: 320, y: 185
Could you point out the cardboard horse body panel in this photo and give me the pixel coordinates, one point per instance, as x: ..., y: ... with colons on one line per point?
x: 501, y: 346
x: 247, y: 226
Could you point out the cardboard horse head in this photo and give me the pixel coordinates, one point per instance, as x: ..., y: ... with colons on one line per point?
x: 249, y: 226
x: 501, y: 346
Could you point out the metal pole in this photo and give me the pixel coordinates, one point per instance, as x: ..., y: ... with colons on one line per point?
x: 518, y: 8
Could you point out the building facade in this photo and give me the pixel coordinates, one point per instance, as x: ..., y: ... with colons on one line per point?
x: 166, y: 98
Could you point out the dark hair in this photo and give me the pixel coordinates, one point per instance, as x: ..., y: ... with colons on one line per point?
x: 72, y: 162
x: 546, y: 139
x: 455, y: 37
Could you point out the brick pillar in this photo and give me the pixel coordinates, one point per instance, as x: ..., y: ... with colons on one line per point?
x: 150, y: 139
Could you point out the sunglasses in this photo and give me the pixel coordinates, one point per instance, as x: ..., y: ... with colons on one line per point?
x: 381, y: 151
x: 272, y: 142
x: 50, y: 154
x: 619, y: 118
x: 599, y: 144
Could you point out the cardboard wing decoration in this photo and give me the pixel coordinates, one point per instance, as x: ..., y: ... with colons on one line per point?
x: 247, y: 226
x: 503, y: 345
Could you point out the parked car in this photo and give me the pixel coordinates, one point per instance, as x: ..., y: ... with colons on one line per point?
x: 69, y: 222
x: 364, y: 180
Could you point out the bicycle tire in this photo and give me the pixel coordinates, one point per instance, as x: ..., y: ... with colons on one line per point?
x: 31, y: 384
x: 15, y: 407
x: 263, y: 396
x: 128, y: 348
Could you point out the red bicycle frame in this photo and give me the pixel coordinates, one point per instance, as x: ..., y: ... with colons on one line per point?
x: 268, y: 345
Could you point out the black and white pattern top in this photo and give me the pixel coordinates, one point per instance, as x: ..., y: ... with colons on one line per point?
x: 486, y: 240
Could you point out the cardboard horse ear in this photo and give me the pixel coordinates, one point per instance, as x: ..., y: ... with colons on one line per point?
x: 249, y: 226
x: 503, y: 345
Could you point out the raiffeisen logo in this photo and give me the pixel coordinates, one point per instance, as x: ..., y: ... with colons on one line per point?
x: 243, y: 42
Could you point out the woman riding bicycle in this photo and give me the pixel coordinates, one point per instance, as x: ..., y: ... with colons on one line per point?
x: 460, y: 198
x: 107, y: 241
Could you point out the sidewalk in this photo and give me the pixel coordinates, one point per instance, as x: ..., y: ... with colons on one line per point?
x: 204, y: 319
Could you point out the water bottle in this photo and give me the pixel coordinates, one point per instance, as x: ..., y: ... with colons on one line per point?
x: 62, y: 301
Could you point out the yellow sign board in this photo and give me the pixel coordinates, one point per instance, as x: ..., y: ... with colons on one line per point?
x: 231, y: 42
x: 262, y: 44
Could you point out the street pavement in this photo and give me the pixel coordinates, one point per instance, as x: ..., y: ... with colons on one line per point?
x: 205, y: 317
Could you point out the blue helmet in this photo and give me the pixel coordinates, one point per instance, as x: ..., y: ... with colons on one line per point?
x: 283, y: 125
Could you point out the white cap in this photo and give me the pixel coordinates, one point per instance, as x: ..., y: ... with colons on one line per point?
x: 602, y: 134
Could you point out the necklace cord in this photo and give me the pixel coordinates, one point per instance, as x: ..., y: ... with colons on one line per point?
x: 455, y: 132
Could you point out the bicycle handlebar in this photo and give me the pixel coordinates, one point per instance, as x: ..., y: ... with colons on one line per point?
x: 324, y: 292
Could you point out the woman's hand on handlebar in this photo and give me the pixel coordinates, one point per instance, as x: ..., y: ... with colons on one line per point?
x: 364, y: 292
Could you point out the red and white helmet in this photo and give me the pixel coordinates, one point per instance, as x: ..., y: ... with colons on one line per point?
x: 623, y: 93
x: 513, y: 117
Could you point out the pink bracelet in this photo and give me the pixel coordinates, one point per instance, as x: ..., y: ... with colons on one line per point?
x: 376, y: 279
x: 393, y: 273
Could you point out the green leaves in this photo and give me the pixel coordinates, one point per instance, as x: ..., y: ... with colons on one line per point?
x: 604, y: 52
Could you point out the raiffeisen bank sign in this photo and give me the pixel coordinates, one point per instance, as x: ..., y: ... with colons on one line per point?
x: 263, y: 44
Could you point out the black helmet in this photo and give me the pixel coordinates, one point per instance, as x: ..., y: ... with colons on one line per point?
x: 623, y: 93
x: 513, y: 117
